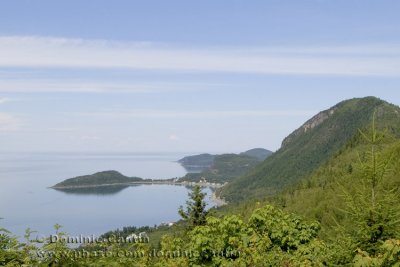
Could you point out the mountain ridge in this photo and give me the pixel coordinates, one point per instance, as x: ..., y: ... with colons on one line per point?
x: 310, y: 145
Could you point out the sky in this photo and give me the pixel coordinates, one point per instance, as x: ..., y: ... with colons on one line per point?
x: 186, y: 76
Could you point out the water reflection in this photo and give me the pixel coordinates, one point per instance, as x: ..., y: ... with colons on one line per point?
x: 99, y: 190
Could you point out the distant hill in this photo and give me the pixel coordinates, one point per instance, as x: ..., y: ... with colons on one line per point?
x: 311, y: 145
x: 225, y: 167
x: 97, y: 179
x: 205, y: 160
x: 222, y: 168
x: 197, y: 163
x: 259, y: 153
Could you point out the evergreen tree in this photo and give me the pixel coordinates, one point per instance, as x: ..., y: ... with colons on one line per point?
x: 371, y: 204
x: 195, y: 213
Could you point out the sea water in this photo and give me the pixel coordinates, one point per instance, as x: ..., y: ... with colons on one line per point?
x: 26, y: 201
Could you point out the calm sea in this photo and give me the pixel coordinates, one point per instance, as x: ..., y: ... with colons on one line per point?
x: 26, y: 201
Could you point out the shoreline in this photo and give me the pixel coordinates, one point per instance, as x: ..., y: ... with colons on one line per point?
x: 184, y: 183
x: 217, y: 200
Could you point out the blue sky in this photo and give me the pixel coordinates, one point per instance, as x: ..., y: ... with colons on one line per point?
x: 186, y: 76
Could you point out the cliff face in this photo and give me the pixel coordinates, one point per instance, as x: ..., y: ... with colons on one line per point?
x: 310, y: 124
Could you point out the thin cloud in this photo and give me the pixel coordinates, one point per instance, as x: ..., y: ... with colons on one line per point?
x: 62, y: 86
x: 89, y: 138
x: 8, y: 123
x: 5, y: 100
x: 173, y: 137
x: 165, y: 114
x: 67, y: 86
x: 363, y: 60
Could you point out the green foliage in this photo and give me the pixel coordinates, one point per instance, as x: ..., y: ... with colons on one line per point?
x: 287, y: 231
x: 218, y: 240
x: 56, y: 253
x: 195, y: 213
x: 364, y: 202
x: 387, y: 255
x: 9, y: 249
x: 128, y: 230
x: 372, y: 207
x: 271, y: 237
x: 226, y: 241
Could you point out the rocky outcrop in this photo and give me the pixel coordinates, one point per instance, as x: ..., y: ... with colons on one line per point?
x: 310, y: 124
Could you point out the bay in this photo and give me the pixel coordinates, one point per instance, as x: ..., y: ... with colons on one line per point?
x: 26, y: 201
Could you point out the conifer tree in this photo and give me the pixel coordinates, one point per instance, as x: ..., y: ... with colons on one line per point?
x: 371, y: 205
x: 195, y: 213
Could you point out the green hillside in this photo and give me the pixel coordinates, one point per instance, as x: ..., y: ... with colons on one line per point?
x: 320, y: 196
x: 311, y: 145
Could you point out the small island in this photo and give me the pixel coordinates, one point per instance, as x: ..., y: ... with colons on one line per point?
x: 104, y: 178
